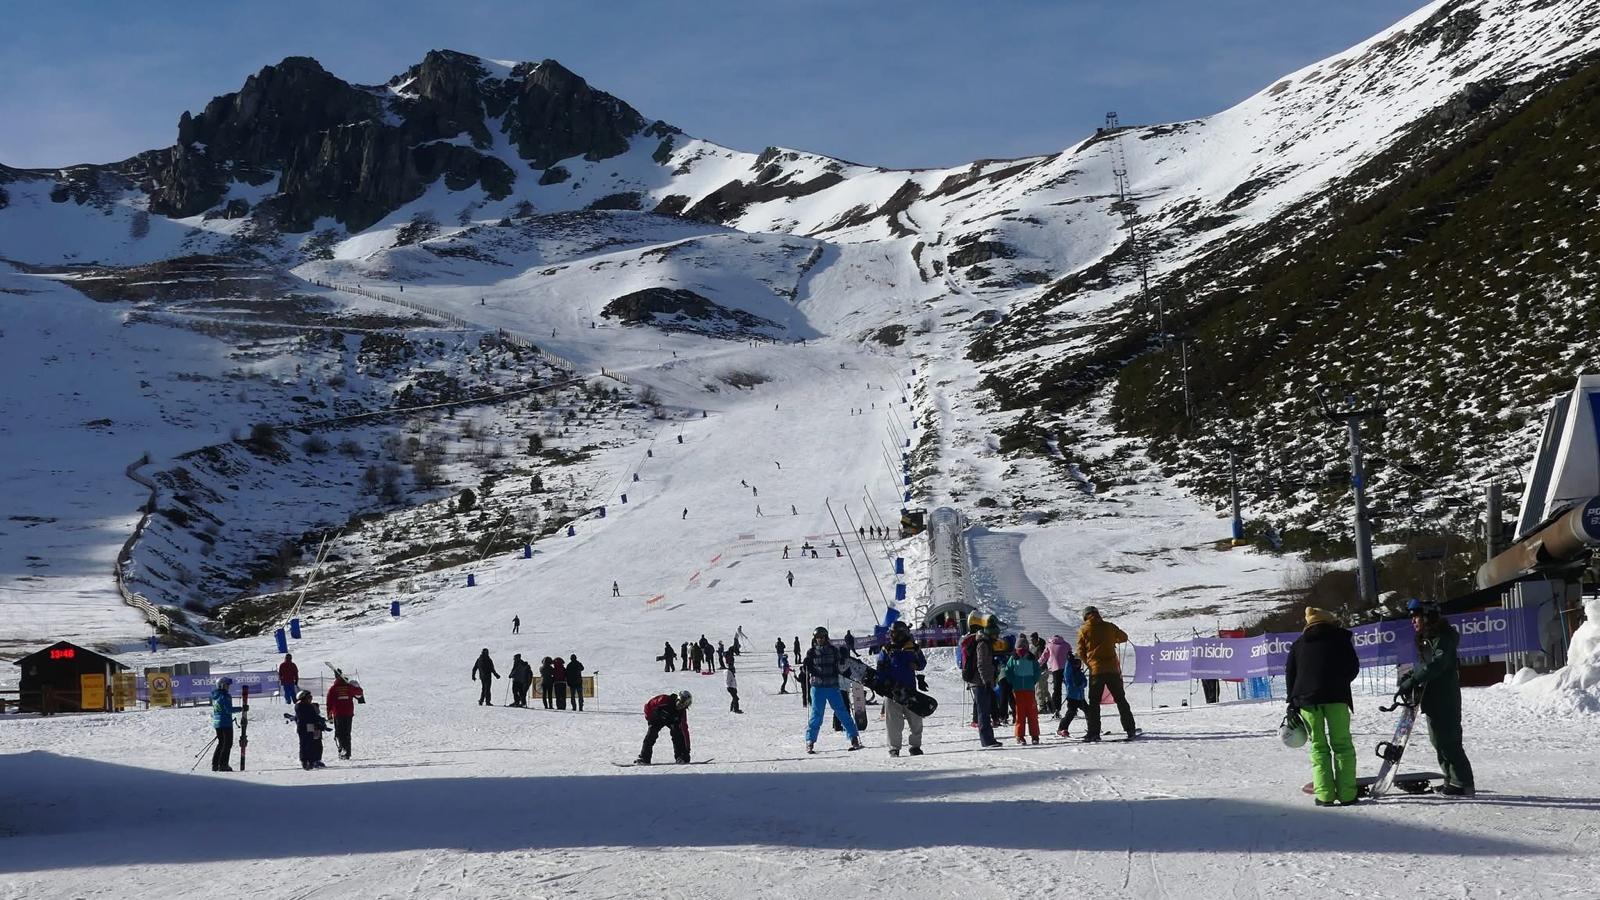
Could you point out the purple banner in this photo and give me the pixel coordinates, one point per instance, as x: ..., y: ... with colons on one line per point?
x: 198, y: 687
x: 1490, y: 632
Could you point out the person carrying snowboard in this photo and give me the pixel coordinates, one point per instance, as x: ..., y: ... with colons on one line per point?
x: 575, y: 682
x: 342, y: 700
x: 309, y: 725
x: 482, y: 672
x: 1097, y: 647
x: 822, y: 665
x: 898, y: 663
x: 1075, y: 683
x: 1322, y: 664
x: 668, y: 657
x: 289, y: 678
x: 521, y: 680
x: 1022, y: 673
x: 669, y: 711
x: 222, y: 722
x: 547, y: 682
x: 1437, y: 678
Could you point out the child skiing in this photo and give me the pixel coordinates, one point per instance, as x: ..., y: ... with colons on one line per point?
x: 1076, y: 683
x: 309, y: 725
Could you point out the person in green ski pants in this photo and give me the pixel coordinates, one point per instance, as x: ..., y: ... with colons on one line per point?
x: 1438, y: 676
x: 1322, y: 664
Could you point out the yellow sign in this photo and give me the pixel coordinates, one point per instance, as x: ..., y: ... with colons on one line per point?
x: 125, y: 690
x: 93, y: 688
x: 159, y: 686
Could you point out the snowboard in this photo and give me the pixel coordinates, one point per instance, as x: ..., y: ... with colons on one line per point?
x: 1408, y: 782
x: 664, y: 765
x: 1392, y: 750
x: 915, y: 701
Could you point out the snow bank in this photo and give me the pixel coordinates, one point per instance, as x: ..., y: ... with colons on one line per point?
x: 1574, y: 688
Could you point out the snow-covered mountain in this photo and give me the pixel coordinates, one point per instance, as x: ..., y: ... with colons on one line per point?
x: 516, y: 197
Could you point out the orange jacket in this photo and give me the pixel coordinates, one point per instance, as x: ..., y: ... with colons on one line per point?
x: 1097, y: 645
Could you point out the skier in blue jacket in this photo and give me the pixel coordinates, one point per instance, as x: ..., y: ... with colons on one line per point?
x: 1076, y: 682
x: 222, y: 721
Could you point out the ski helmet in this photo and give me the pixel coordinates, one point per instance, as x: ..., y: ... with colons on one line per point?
x: 900, y: 630
x: 224, y: 682
x: 684, y: 699
x: 1292, y: 731
x: 819, y: 632
x: 303, y: 697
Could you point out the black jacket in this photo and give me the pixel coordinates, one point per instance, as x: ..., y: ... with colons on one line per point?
x: 483, y: 669
x: 1322, y: 663
x: 575, y: 673
x: 521, y: 672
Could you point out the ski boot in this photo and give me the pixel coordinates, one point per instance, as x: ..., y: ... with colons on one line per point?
x: 855, y: 744
x: 915, y: 751
x: 894, y: 751
x: 810, y: 747
x: 641, y: 761
x: 1457, y: 790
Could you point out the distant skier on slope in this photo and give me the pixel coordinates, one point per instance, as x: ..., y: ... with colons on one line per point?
x: 482, y: 672
x: 1322, y: 664
x: 669, y: 711
x: 1438, y: 677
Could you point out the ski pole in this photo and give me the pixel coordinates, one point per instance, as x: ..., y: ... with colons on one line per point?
x: 202, y: 753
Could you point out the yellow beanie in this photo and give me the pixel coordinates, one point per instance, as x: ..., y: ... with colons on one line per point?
x: 1315, y: 616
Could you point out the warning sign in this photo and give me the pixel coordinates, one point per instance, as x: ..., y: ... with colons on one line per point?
x: 159, y: 686
x: 93, y: 689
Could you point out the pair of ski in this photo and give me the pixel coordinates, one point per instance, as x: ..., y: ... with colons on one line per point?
x: 1389, y: 776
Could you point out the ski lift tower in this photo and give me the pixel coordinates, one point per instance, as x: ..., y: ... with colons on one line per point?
x: 1351, y: 411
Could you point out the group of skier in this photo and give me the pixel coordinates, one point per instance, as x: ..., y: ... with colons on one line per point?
x: 699, y: 656
x: 560, y: 681
x: 1014, y: 678
x: 309, y: 722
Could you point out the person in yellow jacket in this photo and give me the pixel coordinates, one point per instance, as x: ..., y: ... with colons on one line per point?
x: 1097, y: 647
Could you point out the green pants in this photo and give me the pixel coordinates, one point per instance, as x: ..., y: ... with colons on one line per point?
x: 1333, y: 753
x: 1444, y: 731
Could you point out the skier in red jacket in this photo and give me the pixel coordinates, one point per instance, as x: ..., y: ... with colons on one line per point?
x: 342, y: 700
x: 289, y: 678
x: 669, y: 711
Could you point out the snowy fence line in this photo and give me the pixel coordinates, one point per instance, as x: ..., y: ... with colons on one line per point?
x: 124, y: 558
x: 559, y: 362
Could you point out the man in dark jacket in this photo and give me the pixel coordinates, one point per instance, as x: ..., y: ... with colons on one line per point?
x: 575, y: 682
x: 669, y: 711
x: 521, y: 680
x: 898, y: 663
x: 1437, y: 677
x: 668, y: 656
x: 482, y: 672
x: 977, y: 669
x: 1322, y: 663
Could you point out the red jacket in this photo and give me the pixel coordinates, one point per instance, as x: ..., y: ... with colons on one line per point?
x: 288, y: 673
x: 342, y: 699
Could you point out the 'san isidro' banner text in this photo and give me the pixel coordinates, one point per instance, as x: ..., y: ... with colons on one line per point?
x: 1491, y: 632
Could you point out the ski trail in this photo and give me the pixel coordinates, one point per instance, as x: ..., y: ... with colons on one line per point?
x: 1001, y: 581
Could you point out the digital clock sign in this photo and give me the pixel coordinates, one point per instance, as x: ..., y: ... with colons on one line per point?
x: 63, y: 653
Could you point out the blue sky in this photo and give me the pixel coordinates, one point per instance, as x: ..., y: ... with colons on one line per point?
x: 885, y: 82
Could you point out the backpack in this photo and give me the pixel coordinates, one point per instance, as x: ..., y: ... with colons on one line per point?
x: 969, y: 659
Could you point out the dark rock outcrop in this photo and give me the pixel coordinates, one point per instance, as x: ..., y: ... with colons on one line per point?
x: 676, y: 309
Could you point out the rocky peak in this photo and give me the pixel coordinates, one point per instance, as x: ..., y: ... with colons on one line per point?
x: 555, y: 114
